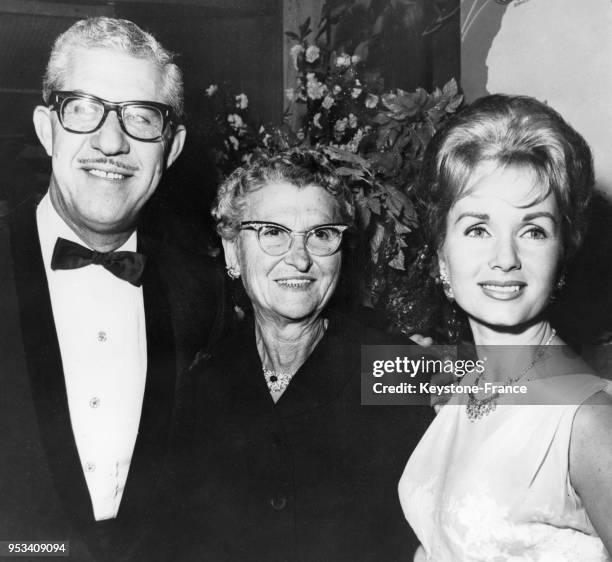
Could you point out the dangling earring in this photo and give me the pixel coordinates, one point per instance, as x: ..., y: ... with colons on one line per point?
x: 445, y: 282
x: 232, y: 272
x: 560, y: 283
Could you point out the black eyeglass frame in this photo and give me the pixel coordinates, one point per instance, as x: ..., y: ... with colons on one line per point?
x: 57, y: 99
x: 252, y: 225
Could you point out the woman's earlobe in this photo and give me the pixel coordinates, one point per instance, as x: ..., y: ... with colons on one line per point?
x: 231, y: 258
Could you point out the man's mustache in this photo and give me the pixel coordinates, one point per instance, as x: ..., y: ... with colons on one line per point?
x: 108, y: 162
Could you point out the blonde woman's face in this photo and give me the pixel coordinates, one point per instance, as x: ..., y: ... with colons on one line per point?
x: 503, y: 247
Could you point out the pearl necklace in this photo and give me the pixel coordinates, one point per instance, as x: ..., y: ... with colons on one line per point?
x: 478, y: 408
x: 276, y: 380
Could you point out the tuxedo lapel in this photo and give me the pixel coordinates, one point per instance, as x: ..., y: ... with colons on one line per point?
x: 158, y: 404
x: 44, y: 364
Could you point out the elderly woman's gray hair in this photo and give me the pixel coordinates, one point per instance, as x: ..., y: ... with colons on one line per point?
x: 120, y: 35
x: 297, y: 167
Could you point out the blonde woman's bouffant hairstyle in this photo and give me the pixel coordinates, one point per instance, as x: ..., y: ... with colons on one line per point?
x: 508, y: 131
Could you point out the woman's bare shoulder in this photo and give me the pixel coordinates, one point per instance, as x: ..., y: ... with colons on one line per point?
x: 593, y: 417
x: 591, y: 461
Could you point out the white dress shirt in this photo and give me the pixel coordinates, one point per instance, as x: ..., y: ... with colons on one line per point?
x: 100, y: 325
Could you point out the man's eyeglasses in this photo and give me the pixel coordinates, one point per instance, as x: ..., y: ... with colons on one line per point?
x: 83, y: 113
x: 276, y: 239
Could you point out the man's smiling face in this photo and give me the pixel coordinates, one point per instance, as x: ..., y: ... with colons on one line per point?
x: 101, y: 180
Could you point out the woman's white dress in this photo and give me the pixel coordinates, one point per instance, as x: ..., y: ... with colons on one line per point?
x: 498, y: 488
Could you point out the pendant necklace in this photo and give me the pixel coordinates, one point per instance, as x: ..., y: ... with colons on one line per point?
x: 478, y: 408
x: 277, y: 381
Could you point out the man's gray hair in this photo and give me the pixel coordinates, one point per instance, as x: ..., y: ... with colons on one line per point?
x: 120, y: 35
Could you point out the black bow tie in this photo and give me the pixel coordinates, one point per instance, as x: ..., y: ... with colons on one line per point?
x: 124, y: 265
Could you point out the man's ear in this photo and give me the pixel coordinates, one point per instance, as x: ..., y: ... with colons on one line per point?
x: 176, y: 147
x: 44, y: 127
x: 230, y: 251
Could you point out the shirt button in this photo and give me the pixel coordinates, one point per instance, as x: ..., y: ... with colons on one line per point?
x: 278, y: 502
x: 90, y: 467
x: 94, y: 402
x: 101, y: 336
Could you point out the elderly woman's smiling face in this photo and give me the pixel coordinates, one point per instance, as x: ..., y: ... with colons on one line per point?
x: 296, y: 285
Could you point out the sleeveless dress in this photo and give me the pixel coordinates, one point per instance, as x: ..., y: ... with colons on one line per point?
x: 498, y: 489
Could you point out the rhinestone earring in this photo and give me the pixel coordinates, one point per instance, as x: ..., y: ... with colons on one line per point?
x: 232, y: 272
x: 445, y: 282
x: 560, y: 283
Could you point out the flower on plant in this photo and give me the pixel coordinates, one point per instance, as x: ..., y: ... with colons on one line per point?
x: 295, y: 52
x: 234, y: 142
x: 355, y: 59
x: 242, y: 102
x: 312, y: 53
x: 337, y: 89
x: 236, y: 123
x: 353, y: 144
x: 314, y: 89
x: 371, y: 101
x: 340, y: 125
x: 316, y: 120
x: 356, y: 92
x: 352, y: 121
x: 343, y: 61
x: 211, y: 89
x: 327, y: 102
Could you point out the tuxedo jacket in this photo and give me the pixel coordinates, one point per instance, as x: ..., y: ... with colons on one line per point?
x: 43, y: 493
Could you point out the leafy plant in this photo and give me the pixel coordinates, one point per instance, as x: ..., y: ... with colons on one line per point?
x: 376, y: 138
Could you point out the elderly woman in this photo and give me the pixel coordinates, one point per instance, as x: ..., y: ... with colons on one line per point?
x: 496, y: 476
x: 286, y: 463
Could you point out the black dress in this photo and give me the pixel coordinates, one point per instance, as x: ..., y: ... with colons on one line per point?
x: 311, y: 478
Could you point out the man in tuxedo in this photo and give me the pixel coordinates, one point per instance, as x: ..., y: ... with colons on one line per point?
x: 93, y: 310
